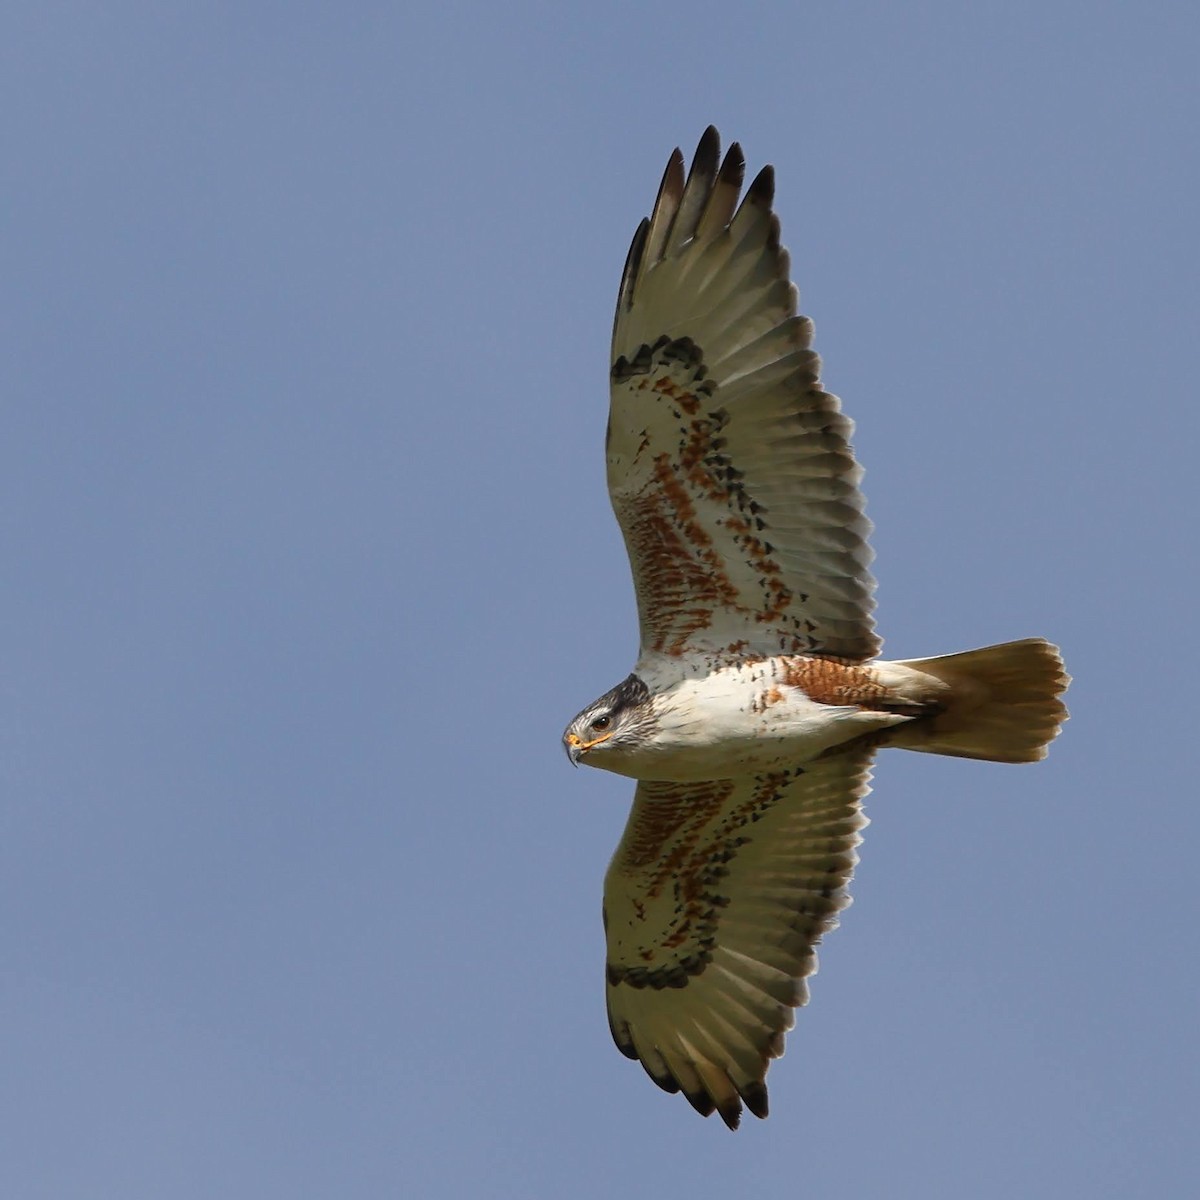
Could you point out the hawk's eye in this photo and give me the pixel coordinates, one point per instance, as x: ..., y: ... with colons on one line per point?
x: 601, y: 723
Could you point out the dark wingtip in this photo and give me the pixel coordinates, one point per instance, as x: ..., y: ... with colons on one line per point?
x: 708, y: 151
x: 667, y: 1082
x: 762, y: 190
x: 755, y: 1096
x: 672, y: 178
x: 733, y: 169
x: 620, y: 1035
x: 702, y: 1102
x: 731, y: 1114
x: 633, y: 266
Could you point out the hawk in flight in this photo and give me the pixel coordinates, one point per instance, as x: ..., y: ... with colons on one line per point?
x: 757, y: 703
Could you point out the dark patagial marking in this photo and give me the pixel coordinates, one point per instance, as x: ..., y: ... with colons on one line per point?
x: 696, y: 515
x: 685, y: 837
x: 682, y: 352
x: 681, y: 578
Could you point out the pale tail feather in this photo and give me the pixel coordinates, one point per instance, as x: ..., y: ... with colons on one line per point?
x: 1003, y: 704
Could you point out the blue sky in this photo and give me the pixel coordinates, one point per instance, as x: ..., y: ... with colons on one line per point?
x: 309, y: 560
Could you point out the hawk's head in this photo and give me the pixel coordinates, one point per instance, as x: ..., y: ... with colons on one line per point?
x: 620, y: 719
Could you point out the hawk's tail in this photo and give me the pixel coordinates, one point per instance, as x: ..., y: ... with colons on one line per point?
x: 1003, y: 704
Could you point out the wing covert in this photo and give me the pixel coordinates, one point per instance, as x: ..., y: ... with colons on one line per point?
x: 729, y: 467
x: 714, y: 903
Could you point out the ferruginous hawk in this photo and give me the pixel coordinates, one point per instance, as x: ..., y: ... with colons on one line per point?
x: 757, y: 702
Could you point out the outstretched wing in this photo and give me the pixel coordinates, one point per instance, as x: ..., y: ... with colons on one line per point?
x: 730, y: 469
x: 714, y: 903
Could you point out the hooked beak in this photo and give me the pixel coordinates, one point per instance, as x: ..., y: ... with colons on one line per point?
x: 575, y: 746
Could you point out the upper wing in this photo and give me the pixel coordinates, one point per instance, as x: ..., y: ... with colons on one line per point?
x: 729, y: 468
x: 713, y: 904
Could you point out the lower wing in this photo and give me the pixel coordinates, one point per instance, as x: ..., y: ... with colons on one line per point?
x: 714, y: 903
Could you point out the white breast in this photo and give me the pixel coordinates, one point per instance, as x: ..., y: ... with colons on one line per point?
x: 741, y: 720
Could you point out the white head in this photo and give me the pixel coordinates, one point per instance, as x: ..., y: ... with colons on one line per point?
x: 620, y: 721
